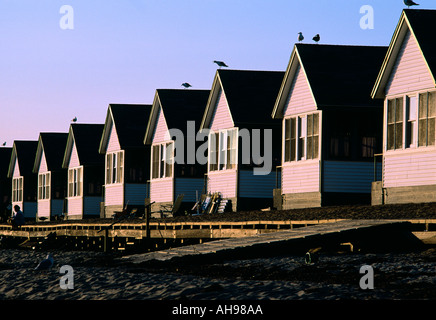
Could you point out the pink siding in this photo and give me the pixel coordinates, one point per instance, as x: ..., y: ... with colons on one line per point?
x: 114, y: 195
x: 412, y: 169
x: 221, y: 118
x: 75, y: 206
x: 161, y: 190
x: 224, y: 182
x: 43, y: 164
x: 44, y: 208
x: 161, y: 128
x: 74, y: 159
x: 410, y: 72
x: 300, y: 99
x: 113, y: 144
x: 301, y: 177
x: 16, y: 169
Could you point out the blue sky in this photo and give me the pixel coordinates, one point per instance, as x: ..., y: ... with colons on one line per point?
x: 122, y: 51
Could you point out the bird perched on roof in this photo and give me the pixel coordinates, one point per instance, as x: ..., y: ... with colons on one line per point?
x: 74, y: 119
x: 410, y: 3
x: 316, y: 38
x: 186, y: 85
x: 45, y: 264
x: 300, y: 36
x: 220, y: 63
x: 4, y: 144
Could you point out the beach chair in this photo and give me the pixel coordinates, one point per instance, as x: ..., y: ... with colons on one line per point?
x: 171, y: 210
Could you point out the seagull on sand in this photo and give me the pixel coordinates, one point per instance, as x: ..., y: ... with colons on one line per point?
x: 410, y: 3
x: 220, y: 63
x: 45, y: 264
x: 316, y: 38
x: 186, y: 85
x: 300, y: 36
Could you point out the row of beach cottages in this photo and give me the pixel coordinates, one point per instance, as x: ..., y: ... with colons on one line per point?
x: 349, y: 124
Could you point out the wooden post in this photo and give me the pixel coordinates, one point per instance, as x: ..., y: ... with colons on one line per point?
x: 106, y: 240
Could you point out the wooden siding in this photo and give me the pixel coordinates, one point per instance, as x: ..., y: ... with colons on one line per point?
x: 409, y: 169
x: 161, y: 190
x: 113, y: 144
x: 301, y: 177
x: 91, y: 206
x: 43, y: 208
x: 224, y: 182
x: 114, y: 195
x: 16, y: 173
x: 74, y: 159
x: 188, y: 187
x: 161, y: 128
x: 221, y: 117
x: 256, y: 186
x: 135, y: 193
x: 75, y: 206
x: 410, y: 72
x: 300, y: 99
x: 349, y: 177
x: 43, y: 164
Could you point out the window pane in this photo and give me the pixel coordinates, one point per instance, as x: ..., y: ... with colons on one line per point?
x: 391, y: 111
x: 399, y: 110
x: 391, y: 137
x: 315, y: 141
x: 169, y: 160
x: 309, y: 125
x: 316, y: 124
x: 398, y: 136
x: 431, y: 132
x: 422, y: 106
x: 155, y: 162
x: 309, y: 148
x: 422, y: 131
x: 431, y: 104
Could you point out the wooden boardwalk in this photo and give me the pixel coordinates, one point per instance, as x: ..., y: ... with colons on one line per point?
x: 261, y: 244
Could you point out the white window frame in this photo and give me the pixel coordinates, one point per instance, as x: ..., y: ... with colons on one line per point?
x: 165, y: 163
x: 75, y: 182
x: 17, y: 189
x: 227, y: 157
x: 44, y: 186
x: 114, y: 165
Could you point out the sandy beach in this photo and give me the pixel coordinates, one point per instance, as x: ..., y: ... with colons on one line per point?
x: 101, y: 276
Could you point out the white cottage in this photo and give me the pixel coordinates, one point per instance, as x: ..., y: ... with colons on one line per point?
x: 406, y: 82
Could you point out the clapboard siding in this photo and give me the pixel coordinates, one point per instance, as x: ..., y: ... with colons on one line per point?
x: 75, y: 206
x: 161, y: 129
x: 135, y: 193
x: 43, y: 208
x: 256, y: 186
x: 300, y: 99
x: 410, y: 72
x: 16, y: 169
x: 221, y: 117
x: 301, y: 177
x: 349, y: 177
x: 113, y: 144
x: 188, y: 187
x: 91, y: 206
x: 43, y: 165
x: 161, y: 190
x: 224, y: 182
x: 411, y: 169
x: 114, y: 195
x: 74, y: 159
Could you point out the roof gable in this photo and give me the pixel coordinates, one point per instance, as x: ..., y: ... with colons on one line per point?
x: 52, y: 145
x: 338, y: 75
x: 420, y: 23
x: 24, y: 152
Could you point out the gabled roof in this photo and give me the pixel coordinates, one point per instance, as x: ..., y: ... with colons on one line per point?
x: 180, y: 106
x: 421, y: 24
x: 130, y: 123
x: 250, y: 95
x: 5, y: 159
x: 53, y: 145
x: 338, y: 75
x: 86, y: 138
x: 25, y: 151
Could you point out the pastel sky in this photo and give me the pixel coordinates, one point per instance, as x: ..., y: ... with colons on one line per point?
x: 122, y: 51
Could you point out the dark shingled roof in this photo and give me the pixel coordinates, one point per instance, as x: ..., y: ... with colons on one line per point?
x: 5, y: 159
x: 181, y: 106
x: 251, y: 94
x: 342, y: 75
x: 26, y: 153
x: 54, y: 145
x: 87, y: 139
x: 423, y: 26
x: 131, y: 123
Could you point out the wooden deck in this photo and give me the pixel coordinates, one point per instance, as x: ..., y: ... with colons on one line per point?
x: 263, y: 244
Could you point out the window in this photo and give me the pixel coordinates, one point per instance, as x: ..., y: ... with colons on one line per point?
x: 162, y: 160
x: 223, y: 150
x: 17, y: 189
x: 75, y: 182
x: 426, y: 119
x: 44, y: 186
x: 301, y: 138
x: 395, y: 124
x: 411, y: 127
x: 368, y: 146
x: 114, y: 167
